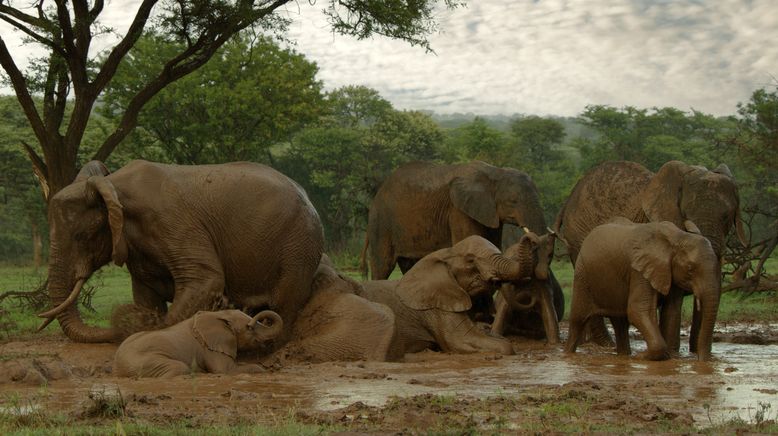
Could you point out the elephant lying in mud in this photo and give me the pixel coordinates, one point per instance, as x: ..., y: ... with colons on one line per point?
x: 433, y: 302
x: 337, y: 324
x: 624, y: 268
x: 206, y: 342
x: 519, y: 300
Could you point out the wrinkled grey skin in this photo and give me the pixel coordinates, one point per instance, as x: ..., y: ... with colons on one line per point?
x: 517, y: 301
x: 678, y: 193
x: 433, y: 300
x: 423, y: 206
x: 207, y: 342
x: 623, y: 268
x: 198, y: 237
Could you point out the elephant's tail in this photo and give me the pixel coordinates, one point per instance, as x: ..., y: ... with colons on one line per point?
x: 363, y: 257
x: 557, y: 228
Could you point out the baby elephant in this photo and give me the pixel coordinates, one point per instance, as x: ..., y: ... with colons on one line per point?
x: 624, y: 268
x: 206, y: 342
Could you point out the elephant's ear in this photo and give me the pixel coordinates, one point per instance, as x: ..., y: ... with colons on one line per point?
x: 430, y: 285
x: 108, y: 193
x: 651, y: 255
x: 215, y: 333
x: 661, y: 199
x: 471, y: 195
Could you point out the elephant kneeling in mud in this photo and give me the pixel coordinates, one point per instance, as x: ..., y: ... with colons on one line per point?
x: 433, y: 300
x: 522, y: 301
x: 206, y: 342
x: 622, y: 271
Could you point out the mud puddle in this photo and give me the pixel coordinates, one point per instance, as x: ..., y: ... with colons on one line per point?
x: 734, y: 383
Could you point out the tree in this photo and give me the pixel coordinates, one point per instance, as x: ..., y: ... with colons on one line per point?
x: 251, y: 95
x: 476, y: 140
x: 66, y: 32
x: 342, y: 161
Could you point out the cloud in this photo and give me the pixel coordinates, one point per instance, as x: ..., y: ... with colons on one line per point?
x: 546, y: 56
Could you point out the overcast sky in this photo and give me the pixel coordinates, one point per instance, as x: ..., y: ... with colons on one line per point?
x: 553, y: 56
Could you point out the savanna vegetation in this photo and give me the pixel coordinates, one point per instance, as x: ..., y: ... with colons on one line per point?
x: 208, y: 82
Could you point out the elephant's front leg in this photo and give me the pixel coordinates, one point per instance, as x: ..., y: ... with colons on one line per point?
x: 502, y: 311
x: 670, y: 319
x: 200, y: 288
x: 621, y: 329
x: 641, y: 311
x: 455, y: 332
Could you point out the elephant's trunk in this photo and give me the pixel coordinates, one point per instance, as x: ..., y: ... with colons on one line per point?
x: 509, y: 269
x: 524, y: 300
x: 270, y: 330
x: 548, y: 313
x: 64, y: 289
x: 709, y: 302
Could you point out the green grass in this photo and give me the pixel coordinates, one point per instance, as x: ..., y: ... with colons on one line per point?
x: 113, y: 288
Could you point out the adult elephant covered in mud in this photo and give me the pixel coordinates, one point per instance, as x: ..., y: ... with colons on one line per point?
x: 678, y: 193
x: 433, y: 301
x: 195, y: 236
x: 422, y: 207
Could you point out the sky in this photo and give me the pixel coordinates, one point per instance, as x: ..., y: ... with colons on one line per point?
x: 549, y: 57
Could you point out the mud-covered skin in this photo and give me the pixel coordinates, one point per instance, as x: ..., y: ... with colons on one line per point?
x: 192, y: 236
x: 521, y: 302
x: 339, y: 325
x: 434, y: 301
x: 206, y: 342
x: 677, y: 192
x: 623, y: 268
x: 422, y: 207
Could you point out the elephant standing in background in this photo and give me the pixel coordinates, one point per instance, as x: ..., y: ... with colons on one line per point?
x: 422, y: 207
x: 677, y: 193
x: 621, y: 270
x: 524, y: 298
x: 207, y: 342
x: 198, y: 237
x: 433, y: 301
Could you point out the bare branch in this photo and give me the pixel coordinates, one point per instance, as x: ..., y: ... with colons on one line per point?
x: 22, y: 93
x: 111, y: 63
x: 40, y: 38
x: 39, y: 22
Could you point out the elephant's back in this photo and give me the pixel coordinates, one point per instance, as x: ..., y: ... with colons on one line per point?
x: 611, y: 189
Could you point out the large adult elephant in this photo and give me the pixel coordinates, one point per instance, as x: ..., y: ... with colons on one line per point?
x: 679, y: 193
x: 423, y: 207
x: 198, y: 237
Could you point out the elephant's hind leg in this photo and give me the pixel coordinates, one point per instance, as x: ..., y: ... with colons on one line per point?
x: 165, y: 368
x: 621, y: 328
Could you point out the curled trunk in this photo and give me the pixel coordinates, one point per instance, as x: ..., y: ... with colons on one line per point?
x: 271, y: 330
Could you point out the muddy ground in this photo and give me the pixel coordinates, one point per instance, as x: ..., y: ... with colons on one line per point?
x: 540, y: 389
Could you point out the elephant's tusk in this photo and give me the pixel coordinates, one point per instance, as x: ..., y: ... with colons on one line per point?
x: 45, y: 323
x: 64, y: 305
x: 699, y: 305
x: 526, y: 230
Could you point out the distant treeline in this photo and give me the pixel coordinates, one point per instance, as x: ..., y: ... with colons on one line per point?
x: 269, y: 107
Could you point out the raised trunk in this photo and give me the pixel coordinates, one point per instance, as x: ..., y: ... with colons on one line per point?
x: 61, y: 284
x: 272, y: 330
x: 509, y: 269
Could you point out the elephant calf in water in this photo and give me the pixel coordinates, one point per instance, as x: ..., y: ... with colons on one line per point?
x: 206, y: 342
x: 622, y: 271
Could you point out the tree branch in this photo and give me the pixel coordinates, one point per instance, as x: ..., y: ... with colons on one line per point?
x: 111, y: 63
x: 39, y: 168
x: 29, y: 19
x: 40, y: 38
x: 22, y: 93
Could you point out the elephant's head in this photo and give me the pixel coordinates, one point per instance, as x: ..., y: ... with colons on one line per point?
x: 447, y: 279
x: 86, y: 232
x: 494, y: 196
x: 680, y: 192
x: 666, y: 255
x: 229, y: 331
x: 534, y: 253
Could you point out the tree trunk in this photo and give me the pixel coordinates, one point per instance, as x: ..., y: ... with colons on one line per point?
x: 37, y: 244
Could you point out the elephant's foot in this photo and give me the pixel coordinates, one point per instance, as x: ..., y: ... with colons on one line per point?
x: 657, y: 354
x: 127, y: 319
x: 596, y: 333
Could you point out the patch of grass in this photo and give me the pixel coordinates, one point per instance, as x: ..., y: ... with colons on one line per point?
x: 113, y: 288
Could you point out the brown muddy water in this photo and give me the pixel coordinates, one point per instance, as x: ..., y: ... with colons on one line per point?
x: 739, y: 378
